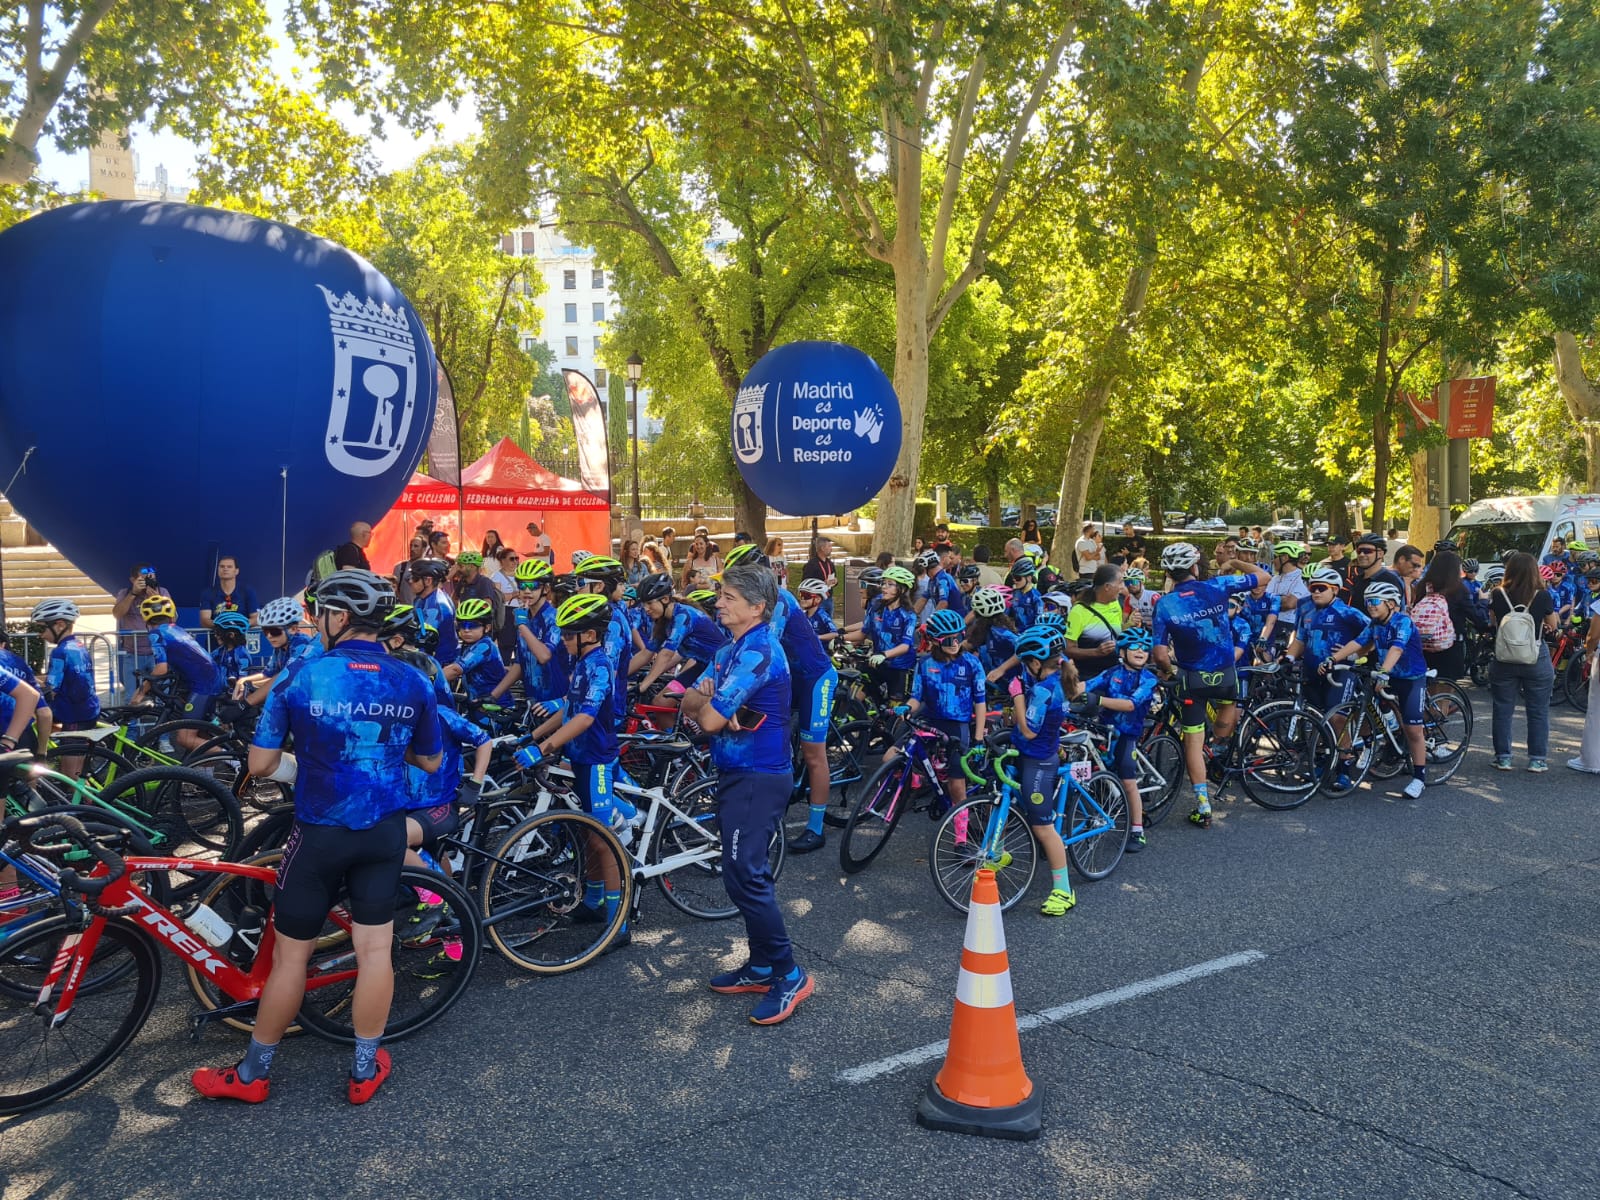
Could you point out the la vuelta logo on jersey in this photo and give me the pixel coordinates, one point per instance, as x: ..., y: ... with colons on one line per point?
x: 361, y: 666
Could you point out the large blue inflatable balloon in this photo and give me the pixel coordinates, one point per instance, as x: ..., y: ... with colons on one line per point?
x: 816, y: 428
x: 194, y: 382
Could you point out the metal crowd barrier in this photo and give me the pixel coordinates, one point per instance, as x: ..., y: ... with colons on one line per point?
x: 106, y: 650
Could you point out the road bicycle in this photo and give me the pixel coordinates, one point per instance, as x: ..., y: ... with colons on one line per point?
x: 76, y: 989
x: 1158, y: 759
x: 912, y: 780
x: 1091, y: 815
x: 1373, y: 741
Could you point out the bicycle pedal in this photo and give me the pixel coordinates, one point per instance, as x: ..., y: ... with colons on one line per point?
x: 206, y: 1016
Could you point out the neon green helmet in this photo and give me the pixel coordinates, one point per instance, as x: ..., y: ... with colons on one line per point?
x: 469, y: 558
x: 900, y: 575
x: 1289, y: 549
x: 587, y: 610
x: 745, y: 554
x: 533, y: 572
x: 473, y: 610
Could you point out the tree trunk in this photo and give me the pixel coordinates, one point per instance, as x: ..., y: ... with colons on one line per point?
x: 1158, y: 517
x: 749, y: 511
x: 1582, y: 395
x: 897, y: 501
x: 1424, y: 530
x: 1091, y: 416
x: 991, y: 483
x: 1380, y: 414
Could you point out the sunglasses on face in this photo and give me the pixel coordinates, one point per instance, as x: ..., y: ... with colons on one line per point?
x: 273, y: 631
x: 1367, y: 550
x: 1376, y: 603
x: 950, y: 641
x: 1320, y: 587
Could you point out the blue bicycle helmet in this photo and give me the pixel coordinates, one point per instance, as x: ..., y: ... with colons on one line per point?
x: 944, y: 623
x: 1023, y: 568
x: 1055, y: 619
x: 231, y: 621
x: 1040, y: 641
x: 1135, y: 639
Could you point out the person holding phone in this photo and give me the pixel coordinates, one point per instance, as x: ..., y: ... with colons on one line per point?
x: 753, y: 783
x: 133, y: 643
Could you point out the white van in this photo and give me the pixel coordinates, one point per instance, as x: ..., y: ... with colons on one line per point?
x: 1525, y: 523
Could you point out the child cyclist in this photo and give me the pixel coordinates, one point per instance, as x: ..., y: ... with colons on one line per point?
x: 538, y: 646
x: 948, y: 684
x: 812, y: 595
x: 1040, y: 705
x: 482, y: 672
x: 892, y: 630
x: 993, y: 635
x: 229, y: 630
x: 689, y: 639
x: 1328, y: 624
x: 1401, y: 667
x: 69, y: 679
x: 586, y: 732
x: 179, y: 655
x: 1126, y: 692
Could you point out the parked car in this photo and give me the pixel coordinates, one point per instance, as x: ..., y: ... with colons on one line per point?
x: 1286, y: 529
x: 1010, y: 515
x: 1045, y: 516
x: 1209, y: 524
x: 1175, y: 520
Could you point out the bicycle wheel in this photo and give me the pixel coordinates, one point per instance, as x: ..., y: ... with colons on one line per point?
x: 957, y: 851
x: 431, y: 971
x: 1164, y: 754
x: 874, y: 815
x: 41, y: 1061
x: 1389, y: 753
x: 532, y: 892
x: 245, y: 904
x: 1447, y: 729
x: 1284, y: 751
x: 1356, y: 746
x: 224, y: 758
x: 101, y: 765
x: 695, y: 885
x: 847, y: 756
x: 269, y: 833
x: 1575, y: 679
x: 1097, y: 855
x: 187, y: 814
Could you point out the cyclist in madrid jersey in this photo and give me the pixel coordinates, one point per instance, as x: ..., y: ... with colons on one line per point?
x: 688, y: 638
x: 478, y: 666
x: 1194, y: 637
x: 357, y: 717
x: 1325, y: 626
x: 533, y: 610
x: 947, y: 691
x: 178, y: 654
x: 69, y: 679
x: 743, y: 702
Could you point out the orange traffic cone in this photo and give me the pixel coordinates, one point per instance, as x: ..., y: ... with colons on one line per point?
x: 982, y: 1088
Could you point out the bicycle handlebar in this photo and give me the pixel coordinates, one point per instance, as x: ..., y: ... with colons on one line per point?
x: 52, y: 836
x: 996, y: 764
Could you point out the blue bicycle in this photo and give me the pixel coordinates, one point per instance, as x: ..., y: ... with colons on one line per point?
x: 988, y: 831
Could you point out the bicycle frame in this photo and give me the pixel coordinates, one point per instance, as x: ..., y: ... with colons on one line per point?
x: 166, y: 928
x: 657, y: 803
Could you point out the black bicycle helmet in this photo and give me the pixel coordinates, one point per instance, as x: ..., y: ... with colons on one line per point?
x: 871, y: 579
x: 428, y: 568
x: 403, y: 621
x: 969, y: 572
x: 653, y: 587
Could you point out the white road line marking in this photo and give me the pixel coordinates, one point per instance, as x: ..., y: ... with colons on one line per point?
x: 1063, y: 1012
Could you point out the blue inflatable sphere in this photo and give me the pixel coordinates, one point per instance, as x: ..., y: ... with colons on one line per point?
x: 193, y: 382
x: 816, y: 428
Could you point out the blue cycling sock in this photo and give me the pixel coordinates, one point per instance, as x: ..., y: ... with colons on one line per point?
x: 755, y: 970
x: 1202, y: 795
x: 814, y: 820
x: 594, y: 893
x: 612, y: 901
x: 794, y: 973
x: 366, y: 1061
x: 257, y: 1061
x: 430, y: 861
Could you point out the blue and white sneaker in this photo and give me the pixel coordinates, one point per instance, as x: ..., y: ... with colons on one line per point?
x: 782, y: 998
x: 741, y: 979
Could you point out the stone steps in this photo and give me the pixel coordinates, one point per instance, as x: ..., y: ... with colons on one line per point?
x: 35, y: 573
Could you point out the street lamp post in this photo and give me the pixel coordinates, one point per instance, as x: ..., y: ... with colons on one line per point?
x: 635, y: 369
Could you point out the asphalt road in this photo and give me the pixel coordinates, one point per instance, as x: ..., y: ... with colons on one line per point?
x: 1419, y: 1018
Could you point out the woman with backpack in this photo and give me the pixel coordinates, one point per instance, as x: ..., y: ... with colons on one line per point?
x: 1522, y: 613
x: 1444, y: 614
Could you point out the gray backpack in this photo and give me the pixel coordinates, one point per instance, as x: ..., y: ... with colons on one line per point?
x: 1517, y: 638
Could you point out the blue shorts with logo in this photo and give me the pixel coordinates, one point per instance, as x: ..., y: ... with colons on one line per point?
x: 813, y: 704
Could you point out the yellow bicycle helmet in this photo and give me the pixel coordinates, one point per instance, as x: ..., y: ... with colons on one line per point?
x: 158, y: 608
x: 533, y: 572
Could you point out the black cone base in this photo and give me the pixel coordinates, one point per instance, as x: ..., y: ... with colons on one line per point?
x: 1019, y: 1123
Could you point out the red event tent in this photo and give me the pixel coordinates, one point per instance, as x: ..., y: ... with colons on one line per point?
x: 503, y: 490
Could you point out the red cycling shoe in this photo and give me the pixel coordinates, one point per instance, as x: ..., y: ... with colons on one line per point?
x: 223, y: 1083
x: 362, y: 1090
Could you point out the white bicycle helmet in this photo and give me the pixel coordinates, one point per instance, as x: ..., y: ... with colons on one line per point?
x: 1327, y: 575
x: 1180, y: 556
x: 47, y: 611
x: 988, y: 602
x: 814, y: 587
x: 1382, y: 590
x: 1492, y: 575
x: 282, y: 613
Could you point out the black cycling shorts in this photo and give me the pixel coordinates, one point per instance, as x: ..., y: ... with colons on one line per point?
x: 437, y: 822
x: 1037, y: 783
x: 1196, y: 689
x: 896, y: 684
x: 321, y: 860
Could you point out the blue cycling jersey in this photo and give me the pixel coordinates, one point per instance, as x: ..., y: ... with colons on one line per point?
x: 619, y: 648
x: 231, y: 661
x: 286, y: 653
x: 482, y: 669
x: 1398, y: 630
x: 354, y: 713
x: 1026, y: 606
x: 944, y: 589
x: 808, y: 661
x: 891, y: 627
x: 439, y: 610
x: 10, y: 684
x: 999, y: 646
x: 1243, y: 636
x: 1324, y: 629
x: 11, y: 661
x: 693, y: 634
x: 949, y: 691
x: 591, y: 692
x: 1047, y: 709
x: 1193, y: 619
x: 186, y: 659
x: 753, y: 673
x: 541, y: 681
x: 456, y: 734
x: 1257, y: 609
x: 823, y: 623
x: 71, y: 681
x: 643, y: 626
x: 1122, y: 682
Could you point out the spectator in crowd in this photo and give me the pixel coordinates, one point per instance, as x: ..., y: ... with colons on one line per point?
x: 820, y: 566
x: 229, y: 595
x: 415, y: 552
x: 133, y: 640
x: 1013, y: 551
x: 1408, y: 565
x: 439, y: 546
x: 500, y: 569
x: 1443, y: 578
x: 470, y: 581
x: 885, y: 559
x: 1131, y: 547
x: 917, y: 546
x: 491, y: 544
x: 987, y: 575
x: 1532, y: 681
x: 1030, y: 533
x: 941, y: 536
x: 1090, y: 551
x: 541, y: 544
x: 1338, y: 554
x: 353, y: 554
x: 654, y: 558
x: 1227, y: 550
x: 780, y: 565
x: 634, y: 568
x: 700, y: 564
x: 669, y: 535
x: 740, y: 538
